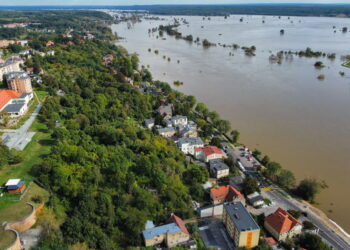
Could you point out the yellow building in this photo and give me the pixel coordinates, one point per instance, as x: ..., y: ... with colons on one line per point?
x: 240, y: 225
x: 282, y: 225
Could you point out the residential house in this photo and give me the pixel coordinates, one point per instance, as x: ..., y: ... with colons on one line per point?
x: 237, y: 182
x: 218, y: 168
x: 240, y: 225
x: 173, y: 233
x: 108, y: 59
x: 225, y: 194
x: 282, y: 225
x: 15, y: 186
x: 5, y: 43
x: 19, y: 81
x: 50, y: 43
x: 149, y: 123
x: 188, y: 145
x: 188, y: 132
x: 271, y: 242
x: 10, y: 65
x: 167, y: 132
x: 208, y: 153
x: 166, y: 110
x: 176, y: 121
x: 255, y: 199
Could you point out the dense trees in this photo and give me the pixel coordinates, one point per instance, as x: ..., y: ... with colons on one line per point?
x: 309, y: 188
x: 250, y: 185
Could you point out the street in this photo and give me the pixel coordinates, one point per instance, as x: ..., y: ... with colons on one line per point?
x: 329, y: 235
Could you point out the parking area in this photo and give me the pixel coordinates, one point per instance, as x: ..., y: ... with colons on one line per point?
x: 214, y: 235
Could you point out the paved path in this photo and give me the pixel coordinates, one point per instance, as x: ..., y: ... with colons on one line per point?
x: 19, y: 138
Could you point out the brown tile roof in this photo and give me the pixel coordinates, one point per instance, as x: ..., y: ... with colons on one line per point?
x: 281, y: 221
x: 175, y: 219
x: 228, y: 193
x: 270, y: 241
x: 6, y: 96
x: 209, y: 150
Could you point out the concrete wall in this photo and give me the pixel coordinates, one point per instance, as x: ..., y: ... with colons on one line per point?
x: 24, y: 224
x: 16, y: 245
x: 215, y: 210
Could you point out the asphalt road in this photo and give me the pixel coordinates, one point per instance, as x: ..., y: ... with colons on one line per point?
x: 326, y: 233
x: 329, y: 235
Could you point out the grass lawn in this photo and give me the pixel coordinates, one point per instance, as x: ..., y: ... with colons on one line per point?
x: 31, y: 155
x: 7, y: 238
x: 15, y: 209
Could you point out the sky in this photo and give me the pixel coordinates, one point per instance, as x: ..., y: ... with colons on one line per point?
x: 145, y: 2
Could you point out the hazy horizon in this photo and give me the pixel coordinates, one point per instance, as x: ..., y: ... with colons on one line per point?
x: 158, y: 2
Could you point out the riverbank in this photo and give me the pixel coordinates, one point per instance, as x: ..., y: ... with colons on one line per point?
x: 270, y: 104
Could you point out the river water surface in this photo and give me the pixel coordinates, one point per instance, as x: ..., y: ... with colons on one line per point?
x: 283, y: 110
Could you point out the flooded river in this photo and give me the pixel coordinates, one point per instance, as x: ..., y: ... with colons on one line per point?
x: 281, y: 109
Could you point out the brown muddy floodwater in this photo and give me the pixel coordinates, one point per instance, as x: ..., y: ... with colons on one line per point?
x: 283, y: 110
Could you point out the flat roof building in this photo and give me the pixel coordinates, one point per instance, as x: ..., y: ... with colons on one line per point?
x: 240, y: 225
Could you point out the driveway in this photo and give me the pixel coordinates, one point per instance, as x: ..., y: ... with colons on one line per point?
x: 19, y: 138
x: 214, y: 235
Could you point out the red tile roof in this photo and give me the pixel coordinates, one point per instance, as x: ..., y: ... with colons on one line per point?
x: 225, y: 193
x: 270, y: 241
x: 174, y: 219
x: 209, y: 150
x: 6, y: 96
x: 281, y: 221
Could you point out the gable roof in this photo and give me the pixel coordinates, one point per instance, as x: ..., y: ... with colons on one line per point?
x: 6, y: 96
x: 209, y: 150
x: 167, y: 228
x: 225, y: 193
x: 281, y: 221
x: 179, y: 222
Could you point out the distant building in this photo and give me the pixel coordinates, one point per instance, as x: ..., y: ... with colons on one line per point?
x: 188, y: 132
x: 12, y: 64
x: 255, y: 199
x: 237, y: 182
x: 176, y: 121
x: 173, y: 233
x: 282, y: 225
x: 166, y: 110
x: 167, y: 132
x: 218, y: 169
x: 5, y: 43
x: 240, y: 225
x: 15, y: 186
x: 225, y: 194
x: 50, y: 43
x: 19, y: 81
x: 149, y: 123
x: 188, y: 145
x: 208, y: 153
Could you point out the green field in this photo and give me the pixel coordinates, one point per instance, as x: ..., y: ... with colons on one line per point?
x: 347, y: 64
x: 7, y: 238
x: 10, y: 206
